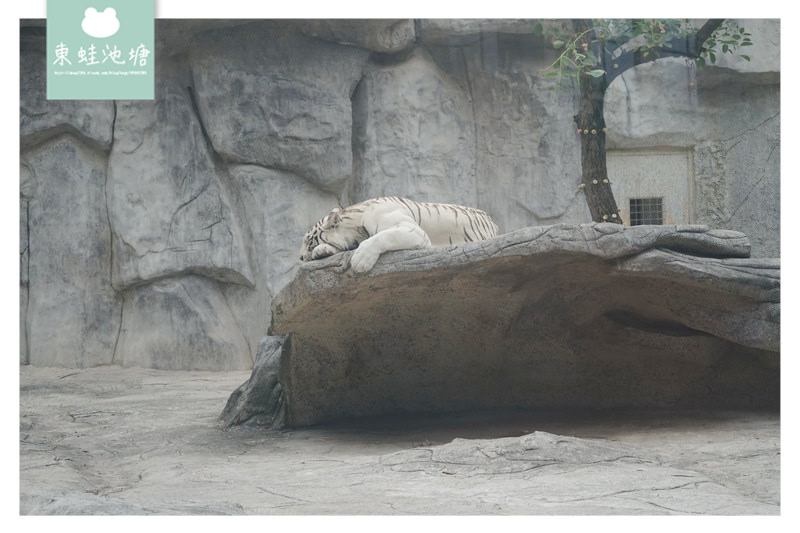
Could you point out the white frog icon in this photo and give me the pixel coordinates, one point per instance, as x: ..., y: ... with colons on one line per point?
x: 100, y: 24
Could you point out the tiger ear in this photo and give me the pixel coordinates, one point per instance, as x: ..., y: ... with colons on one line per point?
x: 333, y: 219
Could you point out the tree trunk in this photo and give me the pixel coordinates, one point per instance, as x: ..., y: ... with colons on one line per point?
x: 589, y: 120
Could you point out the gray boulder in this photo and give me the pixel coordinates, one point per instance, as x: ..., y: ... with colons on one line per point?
x: 587, y: 316
x: 520, y: 129
x: 276, y: 208
x: 169, y: 207
x: 413, y: 133
x: 71, y: 314
x: 260, y: 400
x: 180, y: 323
x: 273, y: 97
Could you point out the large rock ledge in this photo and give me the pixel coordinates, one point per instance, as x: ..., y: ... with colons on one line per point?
x: 595, y: 315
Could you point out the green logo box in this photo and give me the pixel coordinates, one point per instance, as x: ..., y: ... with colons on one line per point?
x: 100, y: 49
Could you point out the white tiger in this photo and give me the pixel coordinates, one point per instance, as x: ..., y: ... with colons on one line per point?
x: 393, y: 223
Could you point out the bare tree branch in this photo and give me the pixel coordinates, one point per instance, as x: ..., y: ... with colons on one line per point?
x: 706, y: 30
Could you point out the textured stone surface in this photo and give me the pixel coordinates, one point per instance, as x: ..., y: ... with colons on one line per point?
x: 413, y: 135
x: 41, y: 119
x: 133, y: 441
x: 731, y: 123
x: 273, y: 97
x: 168, y: 205
x: 522, y: 131
x: 260, y: 400
x: 24, y: 256
x: 386, y: 36
x: 72, y: 313
x: 277, y: 209
x: 585, y: 316
x: 260, y: 127
x: 179, y: 324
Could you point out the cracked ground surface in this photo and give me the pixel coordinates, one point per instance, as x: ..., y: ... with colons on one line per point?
x: 111, y: 440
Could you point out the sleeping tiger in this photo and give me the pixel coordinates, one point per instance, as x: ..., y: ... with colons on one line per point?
x: 393, y: 223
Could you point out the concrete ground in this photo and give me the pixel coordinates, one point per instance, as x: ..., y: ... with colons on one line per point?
x: 112, y: 440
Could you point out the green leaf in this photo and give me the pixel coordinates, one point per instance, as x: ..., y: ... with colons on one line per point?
x: 538, y: 29
x: 596, y: 73
x: 713, y: 57
x: 700, y: 62
x: 725, y: 48
x: 746, y: 58
x: 747, y: 43
x: 558, y: 43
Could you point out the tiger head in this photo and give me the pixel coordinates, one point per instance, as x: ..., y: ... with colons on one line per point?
x: 332, y: 234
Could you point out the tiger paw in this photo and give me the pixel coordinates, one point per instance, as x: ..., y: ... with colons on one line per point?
x: 363, y: 259
x: 323, y: 250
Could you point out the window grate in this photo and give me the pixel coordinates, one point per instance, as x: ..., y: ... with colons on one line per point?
x: 647, y: 211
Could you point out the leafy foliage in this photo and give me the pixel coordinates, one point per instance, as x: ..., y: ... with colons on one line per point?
x: 727, y: 39
x: 611, y: 46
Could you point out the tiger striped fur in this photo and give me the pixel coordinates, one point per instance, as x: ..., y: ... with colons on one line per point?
x: 393, y: 223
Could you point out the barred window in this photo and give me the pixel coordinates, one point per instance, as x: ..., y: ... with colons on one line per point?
x: 646, y: 211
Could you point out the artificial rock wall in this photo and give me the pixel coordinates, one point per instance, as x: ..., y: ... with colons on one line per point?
x: 155, y: 233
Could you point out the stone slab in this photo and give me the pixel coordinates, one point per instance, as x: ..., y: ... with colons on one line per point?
x: 131, y: 441
x: 71, y: 313
x: 595, y: 315
x: 270, y: 96
x: 168, y: 202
